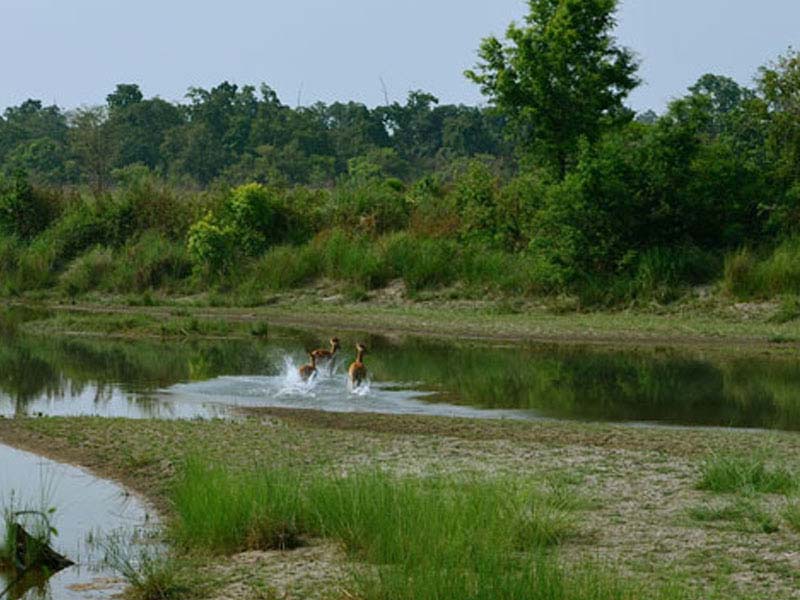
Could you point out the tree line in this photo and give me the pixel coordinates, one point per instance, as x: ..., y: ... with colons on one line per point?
x: 556, y: 186
x: 235, y: 134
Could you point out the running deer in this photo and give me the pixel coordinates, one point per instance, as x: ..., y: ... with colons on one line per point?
x: 306, y: 371
x: 357, y: 370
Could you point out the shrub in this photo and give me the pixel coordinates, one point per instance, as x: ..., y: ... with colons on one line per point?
x: 211, y: 244
x: 351, y: 258
x: 421, y: 262
x: 369, y: 206
x: 739, y: 274
x: 24, y: 211
x: 661, y: 272
x: 150, y: 262
x: 285, y: 267
x: 87, y: 272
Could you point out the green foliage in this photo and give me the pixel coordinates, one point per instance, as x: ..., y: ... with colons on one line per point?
x: 561, y: 78
x: 254, y: 218
x: 747, y: 276
x: 150, y: 262
x: 24, y: 211
x: 420, y: 262
x: 351, y: 258
x: 285, y: 267
x: 87, y: 271
x: 369, y: 204
x: 211, y: 244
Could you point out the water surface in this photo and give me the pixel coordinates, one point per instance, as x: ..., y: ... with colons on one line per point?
x: 408, y: 375
x: 88, y: 511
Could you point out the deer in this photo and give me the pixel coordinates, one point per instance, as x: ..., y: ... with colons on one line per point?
x: 306, y: 371
x: 321, y: 354
x: 357, y: 370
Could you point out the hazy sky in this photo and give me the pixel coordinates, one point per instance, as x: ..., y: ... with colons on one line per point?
x: 74, y: 52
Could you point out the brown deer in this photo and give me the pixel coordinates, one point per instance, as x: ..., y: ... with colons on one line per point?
x: 357, y: 370
x: 322, y: 355
x: 306, y: 371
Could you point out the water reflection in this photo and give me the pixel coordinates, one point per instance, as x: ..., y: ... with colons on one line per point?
x: 181, y: 380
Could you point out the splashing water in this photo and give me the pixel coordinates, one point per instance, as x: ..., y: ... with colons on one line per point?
x: 291, y: 384
x: 328, y: 389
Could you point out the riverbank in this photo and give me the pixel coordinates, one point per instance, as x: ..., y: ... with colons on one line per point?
x: 698, y: 323
x: 641, y: 511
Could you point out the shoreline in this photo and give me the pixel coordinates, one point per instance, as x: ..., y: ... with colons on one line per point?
x: 624, y: 329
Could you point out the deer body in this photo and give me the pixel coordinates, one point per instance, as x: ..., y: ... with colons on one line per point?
x: 306, y: 371
x: 322, y: 355
x: 357, y: 371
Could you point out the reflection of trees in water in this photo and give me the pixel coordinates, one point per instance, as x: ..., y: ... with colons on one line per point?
x: 58, y: 369
x: 604, y: 385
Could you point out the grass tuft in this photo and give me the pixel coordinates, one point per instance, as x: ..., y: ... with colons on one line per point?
x: 727, y: 473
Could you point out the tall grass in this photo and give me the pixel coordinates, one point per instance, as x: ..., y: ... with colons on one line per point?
x: 437, y: 537
x: 728, y: 473
x: 748, y: 276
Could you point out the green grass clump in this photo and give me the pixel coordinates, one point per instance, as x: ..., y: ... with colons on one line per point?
x: 439, y: 537
x: 743, y: 514
x: 222, y: 511
x: 791, y: 513
x: 750, y: 276
x: 727, y: 473
x: 150, y: 574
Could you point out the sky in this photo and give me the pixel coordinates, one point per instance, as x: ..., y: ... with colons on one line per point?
x: 74, y: 52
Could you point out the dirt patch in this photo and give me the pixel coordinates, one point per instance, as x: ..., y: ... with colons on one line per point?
x: 319, y: 570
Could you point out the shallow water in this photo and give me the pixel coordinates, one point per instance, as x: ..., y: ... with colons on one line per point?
x: 88, y: 510
x: 408, y: 375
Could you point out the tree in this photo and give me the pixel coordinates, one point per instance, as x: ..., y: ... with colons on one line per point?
x: 561, y: 78
x: 92, y: 142
x: 779, y: 84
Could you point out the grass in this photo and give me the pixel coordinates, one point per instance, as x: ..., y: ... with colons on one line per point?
x: 437, y: 537
x: 791, y: 513
x: 743, y: 514
x: 150, y: 574
x: 730, y: 473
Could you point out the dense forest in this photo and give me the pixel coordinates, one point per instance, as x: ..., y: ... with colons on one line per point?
x: 555, y: 188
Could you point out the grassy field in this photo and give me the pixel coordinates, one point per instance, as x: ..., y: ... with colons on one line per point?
x: 589, y: 511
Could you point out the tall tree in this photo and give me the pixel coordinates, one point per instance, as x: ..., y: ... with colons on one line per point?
x: 92, y: 142
x: 562, y: 77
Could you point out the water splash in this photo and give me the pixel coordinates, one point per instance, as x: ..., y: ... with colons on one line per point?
x: 290, y: 382
x: 361, y: 390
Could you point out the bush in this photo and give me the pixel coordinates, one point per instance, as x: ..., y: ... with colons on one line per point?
x: 151, y: 262
x: 351, y: 258
x: 778, y: 273
x: 661, y: 272
x: 86, y: 272
x: 24, y: 211
x: 285, y: 267
x: 420, y: 262
x: 739, y: 275
x: 370, y: 206
x: 211, y: 244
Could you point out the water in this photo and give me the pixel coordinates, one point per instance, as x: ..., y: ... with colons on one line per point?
x: 88, y: 510
x: 409, y: 375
